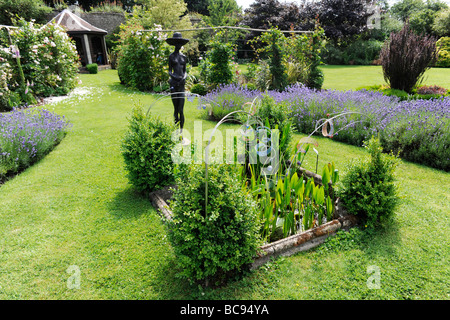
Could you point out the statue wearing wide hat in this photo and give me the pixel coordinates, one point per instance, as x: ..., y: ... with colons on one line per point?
x: 177, y: 73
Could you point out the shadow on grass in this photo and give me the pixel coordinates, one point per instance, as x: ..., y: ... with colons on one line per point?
x: 174, y: 287
x: 129, y: 204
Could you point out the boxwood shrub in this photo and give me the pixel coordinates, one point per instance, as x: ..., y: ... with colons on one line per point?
x: 215, y: 245
x: 146, y: 149
x: 92, y: 68
x: 369, y: 189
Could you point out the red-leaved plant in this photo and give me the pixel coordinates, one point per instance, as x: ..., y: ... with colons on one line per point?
x: 405, y: 57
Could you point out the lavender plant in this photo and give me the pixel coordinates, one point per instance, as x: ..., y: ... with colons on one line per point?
x: 26, y: 136
x: 418, y: 130
x: 226, y: 99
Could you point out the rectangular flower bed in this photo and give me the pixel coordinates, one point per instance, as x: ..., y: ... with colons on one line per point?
x: 287, y: 246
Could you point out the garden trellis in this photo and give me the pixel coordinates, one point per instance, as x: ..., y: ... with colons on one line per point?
x: 226, y: 28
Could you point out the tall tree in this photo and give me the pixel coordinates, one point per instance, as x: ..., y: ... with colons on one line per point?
x: 341, y: 19
x: 420, y: 14
x: 263, y: 14
x: 404, y: 8
x: 441, y: 25
x: 168, y: 14
x: 199, y: 6
x: 222, y: 12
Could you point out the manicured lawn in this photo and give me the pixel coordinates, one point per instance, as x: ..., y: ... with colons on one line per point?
x: 354, y: 77
x: 76, y: 208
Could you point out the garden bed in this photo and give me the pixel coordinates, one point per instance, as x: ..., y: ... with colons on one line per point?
x: 284, y: 247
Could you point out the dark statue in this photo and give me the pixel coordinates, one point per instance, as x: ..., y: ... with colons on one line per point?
x: 177, y: 73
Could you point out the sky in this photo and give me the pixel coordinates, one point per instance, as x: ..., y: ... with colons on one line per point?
x: 246, y: 3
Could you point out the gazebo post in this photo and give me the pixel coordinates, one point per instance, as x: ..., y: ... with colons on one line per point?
x: 105, y: 50
x: 88, y: 49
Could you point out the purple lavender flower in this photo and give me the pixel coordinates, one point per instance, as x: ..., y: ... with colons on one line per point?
x: 26, y: 136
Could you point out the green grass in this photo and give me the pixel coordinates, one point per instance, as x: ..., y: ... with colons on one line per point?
x: 76, y: 207
x: 354, y: 77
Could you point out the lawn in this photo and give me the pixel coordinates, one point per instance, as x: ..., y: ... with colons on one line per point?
x: 76, y: 210
x: 354, y: 77
x: 339, y: 77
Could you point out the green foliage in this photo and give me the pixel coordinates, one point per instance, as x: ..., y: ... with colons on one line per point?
x: 167, y: 15
x: 146, y: 149
x: 199, y: 89
x: 276, y: 116
x: 443, y: 60
x: 164, y: 13
x: 216, y: 68
x: 390, y: 24
x: 422, y: 21
x: 42, y: 61
x: 263, y: 77
x: 142, y: 58
x: 359, y: 52
x: 288, y: 60
x: 107, y: 7
x: 290, y: 203
x: 92, y: 68
x: 273, y: 50
x: 222, y: 12
x: 403, y: 9
x: 422, y: 92
x: 161, y: 88
x: 216, y: 244
x: 5, y: 78
x: 368, y: 188
x: 10, y: 10
x: 441, y: 24
x: 304, y: 54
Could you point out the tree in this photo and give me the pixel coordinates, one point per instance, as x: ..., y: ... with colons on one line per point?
x: 263, y: 14
x: 403, y: 9
x: 341, y: 20
x: 441, y: 25
x: 199, y: 6
x: 406, y: 9
x: 169, y: 14
x: 11, y: 10
x: 222, y: 12
x: 390, y: 24
x: 422, y: 21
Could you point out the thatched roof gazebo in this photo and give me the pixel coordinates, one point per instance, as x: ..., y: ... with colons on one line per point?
x: 89, y: 40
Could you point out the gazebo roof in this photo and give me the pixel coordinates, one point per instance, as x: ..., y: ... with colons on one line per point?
x: 74, y: 24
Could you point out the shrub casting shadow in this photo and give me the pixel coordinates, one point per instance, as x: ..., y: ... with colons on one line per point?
x: 129, y: 204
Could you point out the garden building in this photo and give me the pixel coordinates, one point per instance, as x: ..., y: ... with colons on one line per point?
x: 89, y: 40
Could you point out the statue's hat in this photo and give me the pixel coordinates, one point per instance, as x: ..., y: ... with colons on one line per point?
x: 177, y: 39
